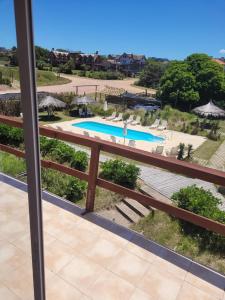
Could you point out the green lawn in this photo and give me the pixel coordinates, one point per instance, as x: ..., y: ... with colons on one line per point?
x: 207, y: 149
x: 43, y: 77
x: 59, y: 116
x: 161, y: 228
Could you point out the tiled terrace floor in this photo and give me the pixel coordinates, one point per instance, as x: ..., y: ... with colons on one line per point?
x: 91, y: 258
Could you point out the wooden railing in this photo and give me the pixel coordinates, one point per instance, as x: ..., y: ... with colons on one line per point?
x: 96, y: 146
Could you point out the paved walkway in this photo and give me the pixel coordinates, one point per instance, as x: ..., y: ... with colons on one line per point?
x: 217, y: 161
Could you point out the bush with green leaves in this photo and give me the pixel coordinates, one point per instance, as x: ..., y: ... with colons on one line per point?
x: 117, y: 171
x: 63, y: 185
x: 11, y: 135
x: 80, y: 161
x: 62, y: 153
x: 204, y: 203
x: 75, y: 189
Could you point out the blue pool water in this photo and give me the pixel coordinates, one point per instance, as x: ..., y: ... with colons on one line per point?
x: 118, y: 131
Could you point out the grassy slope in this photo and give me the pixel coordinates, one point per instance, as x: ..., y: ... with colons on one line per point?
x: 43, y: 77
x: 166, y: 231
x: 59, y: 116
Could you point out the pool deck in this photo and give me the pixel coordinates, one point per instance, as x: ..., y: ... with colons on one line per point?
x: 171, y: 138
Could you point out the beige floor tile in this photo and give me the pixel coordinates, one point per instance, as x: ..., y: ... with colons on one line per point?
x: 165, y: 265
x: 189, y: 292
x: 56, y: 226
x: 10, y: 259
x: 110, y: 287
x: 160, y: 285
x: 81, y: 272
x: 120, y: 241
x: 205, y: 286
x: 140, y: 252
x: 14, y: 229
x: 57, y: 255
x: 6, y: 294
x: 103, y: 252
x: 129, y: 267
x: 58, y: 289
x: 140, y: 295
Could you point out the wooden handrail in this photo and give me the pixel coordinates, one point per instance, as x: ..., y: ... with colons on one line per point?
x: 196, y: 171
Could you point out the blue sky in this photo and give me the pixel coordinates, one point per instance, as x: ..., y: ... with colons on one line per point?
x: 161, y: 28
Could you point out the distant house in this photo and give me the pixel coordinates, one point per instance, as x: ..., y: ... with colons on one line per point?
x: 58, y: 57
x: 128, y: 63
x: 91, y: 60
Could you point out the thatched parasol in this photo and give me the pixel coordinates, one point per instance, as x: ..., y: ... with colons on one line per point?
x: 50, y: 103
x: 208, y: 110
x: 109, y: 90
x: 85, y: 100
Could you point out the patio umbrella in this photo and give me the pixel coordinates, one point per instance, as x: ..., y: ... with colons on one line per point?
x: 83, y: 100
x: 125, y: 130
x: 50, y: 103
x: 209, y: 109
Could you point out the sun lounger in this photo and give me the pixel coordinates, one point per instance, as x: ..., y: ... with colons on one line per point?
x: 130, y: 119
x: 173, y: 152
x: 158, y: 150
x: 86, y: 133
x: 163, y: 125
x: 132, y: 143
x: 137, y: 121
x: 155, y: 124
x: 113, y: 116
x: 113, y: 139
x: 119, y: 118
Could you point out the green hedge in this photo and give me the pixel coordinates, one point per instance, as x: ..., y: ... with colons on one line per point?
x: 51, y: 148
x: 204, y: 203
x: 120, y: 172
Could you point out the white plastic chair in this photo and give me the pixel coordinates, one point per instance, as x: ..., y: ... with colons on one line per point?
x: 113, y: 116
x: 119, y: 118
x: 137, y: 121
x: 132, y: 143
x: 155, y: 124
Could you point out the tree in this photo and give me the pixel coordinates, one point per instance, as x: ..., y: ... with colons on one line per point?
x: 194, y: 81
x: 178, y: 86
x: 152, y: 73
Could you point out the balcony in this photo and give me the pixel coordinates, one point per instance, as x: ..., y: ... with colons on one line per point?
x: 89, y: 257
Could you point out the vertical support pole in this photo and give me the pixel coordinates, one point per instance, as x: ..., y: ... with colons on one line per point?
x: 96, y: 87
x: 93, y: 174
x: 26, y: 55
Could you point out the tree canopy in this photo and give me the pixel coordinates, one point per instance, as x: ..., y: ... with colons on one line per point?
x: 192, y: 82
x: 152, y: 73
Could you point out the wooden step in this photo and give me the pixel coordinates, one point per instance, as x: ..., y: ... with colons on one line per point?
x: 137, y: 207
x: 127, y: 212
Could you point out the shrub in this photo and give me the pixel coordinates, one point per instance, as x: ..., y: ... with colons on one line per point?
x: 10, y: 135
x: 63, y: 185
x: 47, y: 145
x: 80, y: 161
x: 120, y: 172
x: 204, y: 203
x: 75, y: 189
x: 180, y: 155
x: 62, y: 153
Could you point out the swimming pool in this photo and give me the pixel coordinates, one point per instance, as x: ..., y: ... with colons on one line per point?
x: 118, y: 131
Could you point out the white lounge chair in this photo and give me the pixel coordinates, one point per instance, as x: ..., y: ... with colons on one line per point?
x: 155, y: 124
x: 119, y: 118
x: 132, y: 143
x: 163, y: 125
x: 130, y: 119
x: 137, y: 121
x: 113, y: 116
x: 158, y: 150
x: 21, y: 115
x: 97, y: 137
x: 86, y: 133
x: 113, y: 139
x: 173, y: 152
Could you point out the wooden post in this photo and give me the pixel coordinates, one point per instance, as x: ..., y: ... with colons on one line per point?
x: 96, y: 92
x: 93, y: 174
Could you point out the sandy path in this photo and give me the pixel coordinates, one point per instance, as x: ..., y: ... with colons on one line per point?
x: 70, y: 87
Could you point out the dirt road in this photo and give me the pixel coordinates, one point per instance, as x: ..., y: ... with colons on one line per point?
x: 126, y: 84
